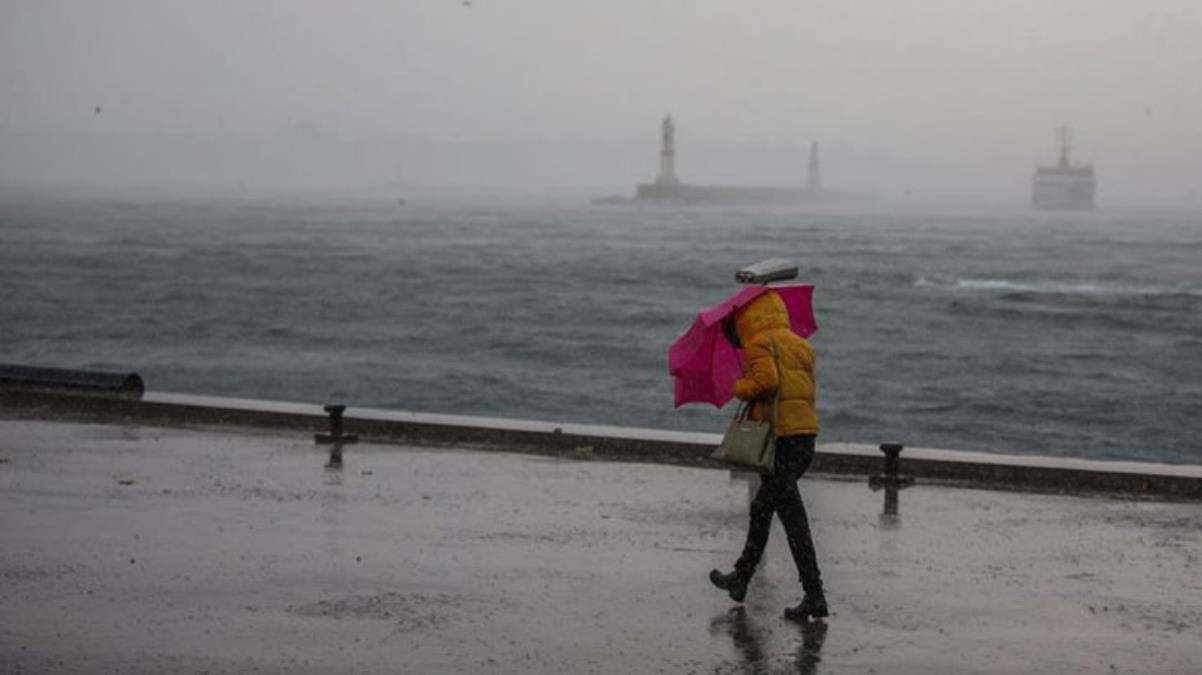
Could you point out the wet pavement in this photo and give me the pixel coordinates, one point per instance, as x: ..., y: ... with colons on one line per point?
x: 139, y: 549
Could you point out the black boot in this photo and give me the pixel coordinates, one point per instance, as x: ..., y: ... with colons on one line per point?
x: 813, y: 605
x: 733, y: 583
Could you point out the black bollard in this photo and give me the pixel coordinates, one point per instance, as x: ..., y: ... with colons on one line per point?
x: 892, y: 458
x: 336, y: 438
x: 892, y: 475
x: 335, y: 412
x: 892, y: 481
x: 336, y: 435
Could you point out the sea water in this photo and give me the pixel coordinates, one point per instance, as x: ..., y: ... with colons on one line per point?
x: 1018, y: 332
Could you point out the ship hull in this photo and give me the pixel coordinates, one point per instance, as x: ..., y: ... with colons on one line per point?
x: 1063, y: 189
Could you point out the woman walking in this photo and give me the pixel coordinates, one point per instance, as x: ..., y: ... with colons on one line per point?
x: 778, y: 362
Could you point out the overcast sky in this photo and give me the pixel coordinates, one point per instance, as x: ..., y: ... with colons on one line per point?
x: 928, y: 96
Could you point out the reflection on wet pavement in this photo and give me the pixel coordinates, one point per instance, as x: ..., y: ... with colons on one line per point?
x: 748, y: 639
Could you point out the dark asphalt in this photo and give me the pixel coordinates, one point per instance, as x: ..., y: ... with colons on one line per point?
x: 151, y: 550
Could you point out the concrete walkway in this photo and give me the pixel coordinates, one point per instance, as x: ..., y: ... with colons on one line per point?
x: 160, y: 550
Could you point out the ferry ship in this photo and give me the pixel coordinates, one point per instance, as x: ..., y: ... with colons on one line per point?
x: 1063, y: 185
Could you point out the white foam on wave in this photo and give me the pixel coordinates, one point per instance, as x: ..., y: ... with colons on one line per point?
x: 1059, y: 288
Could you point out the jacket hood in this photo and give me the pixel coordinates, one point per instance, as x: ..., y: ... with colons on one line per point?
x: 766, y: 312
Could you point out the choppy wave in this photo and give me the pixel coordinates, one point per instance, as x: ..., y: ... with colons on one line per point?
x: 987, y: 335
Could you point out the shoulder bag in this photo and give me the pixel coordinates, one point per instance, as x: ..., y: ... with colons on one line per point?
x: 752, y: 443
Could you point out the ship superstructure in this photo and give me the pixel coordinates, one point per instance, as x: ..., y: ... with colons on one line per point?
x: 1063, y: 185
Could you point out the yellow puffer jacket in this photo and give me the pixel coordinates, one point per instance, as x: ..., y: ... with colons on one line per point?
x: 763, y: 323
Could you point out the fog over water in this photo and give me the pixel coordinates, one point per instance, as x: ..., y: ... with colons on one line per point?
x: 921, y: 102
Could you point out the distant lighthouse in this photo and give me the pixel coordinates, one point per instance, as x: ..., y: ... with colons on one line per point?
x: 814, y: 177
x: 667, y: 188
x: 667, y: 153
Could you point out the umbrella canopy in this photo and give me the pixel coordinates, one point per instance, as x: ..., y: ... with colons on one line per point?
x: 704, y: 362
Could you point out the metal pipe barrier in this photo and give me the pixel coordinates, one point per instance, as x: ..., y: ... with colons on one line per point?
x: 124, y: 386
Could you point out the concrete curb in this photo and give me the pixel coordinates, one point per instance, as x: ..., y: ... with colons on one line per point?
x: 969, y: 469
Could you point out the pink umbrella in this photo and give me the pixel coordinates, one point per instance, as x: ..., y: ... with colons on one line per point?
x: 704, y: 362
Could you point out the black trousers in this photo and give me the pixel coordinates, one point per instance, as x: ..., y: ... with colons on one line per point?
x: 778, y: 495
